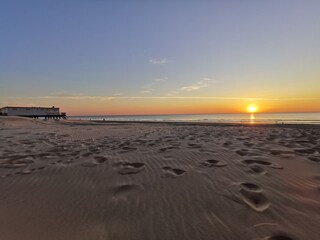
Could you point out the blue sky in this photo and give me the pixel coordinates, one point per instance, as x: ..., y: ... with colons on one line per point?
x: 92, y: 49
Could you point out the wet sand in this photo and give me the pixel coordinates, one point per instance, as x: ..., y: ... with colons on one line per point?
x: 78, y: 180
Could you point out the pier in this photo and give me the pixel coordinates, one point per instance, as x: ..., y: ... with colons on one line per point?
x: 34, y: 112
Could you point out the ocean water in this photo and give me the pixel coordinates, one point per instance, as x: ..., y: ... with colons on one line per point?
x: 266, y: 118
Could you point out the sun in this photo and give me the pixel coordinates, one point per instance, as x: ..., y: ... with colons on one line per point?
x: 252, y: 108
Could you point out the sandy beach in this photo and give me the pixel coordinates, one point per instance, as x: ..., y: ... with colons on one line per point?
x: 81, y: 180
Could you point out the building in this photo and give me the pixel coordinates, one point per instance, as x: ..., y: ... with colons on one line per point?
x: 33, y: 112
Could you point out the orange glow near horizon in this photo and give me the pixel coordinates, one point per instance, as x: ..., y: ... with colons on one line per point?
x: 137, y: 107
x: 174, y: 106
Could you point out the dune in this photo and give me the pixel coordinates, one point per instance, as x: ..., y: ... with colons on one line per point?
x: 81, y: 180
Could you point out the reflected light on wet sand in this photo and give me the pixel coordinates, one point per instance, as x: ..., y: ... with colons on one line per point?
x: 252, y: 118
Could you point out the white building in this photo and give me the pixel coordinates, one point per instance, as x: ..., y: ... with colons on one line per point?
x: 47, y: 112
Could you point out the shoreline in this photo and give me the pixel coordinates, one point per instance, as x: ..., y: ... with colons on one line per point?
x: 174, y: 123
x: 186, y: 123
x: 256, y: 122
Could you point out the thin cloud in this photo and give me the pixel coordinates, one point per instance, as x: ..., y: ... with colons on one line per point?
x: 79, y: 96
x: 205, y: 82
x: 161, y: 79
x: 103, y: 98
x: 159, y: 61
x: 66, y: 94
x: 146, y: 91
x: 14, y: 104
x: 148, y: 88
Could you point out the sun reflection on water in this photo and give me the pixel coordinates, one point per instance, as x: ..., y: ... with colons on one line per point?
x: 252, y: 118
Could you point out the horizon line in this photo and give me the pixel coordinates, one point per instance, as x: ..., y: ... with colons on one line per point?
x: 164, y: 114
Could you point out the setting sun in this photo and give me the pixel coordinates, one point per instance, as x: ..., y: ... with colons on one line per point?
x: 252, y: 108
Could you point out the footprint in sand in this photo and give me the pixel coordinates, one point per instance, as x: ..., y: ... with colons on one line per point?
x: 126, y: 190
x: 87, y: 154
x: 6, y: 175
x: 97, y: 160
x: 100, y: 159
x: 314, y: 159
x: 251, y: 187
x: 89, y: 164
x: 262, y: 162
x: 94, y: 150
x: 56, y: 162
x: 172, y: 172
x: 280, y: 237
x: 24, y: 172
x: 242, y: 152
x: 257, y: 169
x: 270, y: 231
x: 127, y: 149
x: 29, y: 171
x: 194, y: 145
x: 227, y: 144
x: 249, y: 194
x: 164, y: 149
x: 16, y: 161
x: 213, y: 163
x: 248, y: 144
x: 125, y: 168
x: 305, y: 150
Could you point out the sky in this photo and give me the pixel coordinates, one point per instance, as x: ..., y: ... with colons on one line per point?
x: 92, y: 57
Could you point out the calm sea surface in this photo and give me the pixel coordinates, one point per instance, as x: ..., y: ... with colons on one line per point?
x: 293, y: 118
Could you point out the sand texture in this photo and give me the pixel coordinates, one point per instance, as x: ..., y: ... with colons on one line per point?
x: 69, y: 180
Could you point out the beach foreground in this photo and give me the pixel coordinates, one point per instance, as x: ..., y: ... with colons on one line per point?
x: 81, y: 180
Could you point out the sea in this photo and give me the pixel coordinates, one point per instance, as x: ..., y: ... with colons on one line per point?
x: 256, y: 118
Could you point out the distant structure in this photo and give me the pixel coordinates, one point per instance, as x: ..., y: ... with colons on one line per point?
x: 33, y: 112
